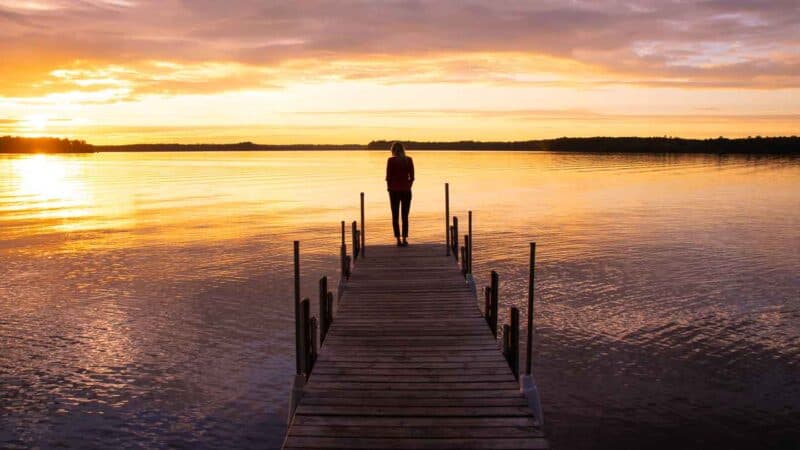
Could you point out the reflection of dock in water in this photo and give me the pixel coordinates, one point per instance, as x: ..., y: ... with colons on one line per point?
x: 409, y: 361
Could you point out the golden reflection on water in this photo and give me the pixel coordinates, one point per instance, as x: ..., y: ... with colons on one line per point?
x: 207, y: 196
x: 161, y: 281
x: 51, y: 186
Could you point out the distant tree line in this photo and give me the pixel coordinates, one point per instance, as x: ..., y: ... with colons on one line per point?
x: 16, y: 144
x: 758, y: 144
x: 751, y: 145
x: 240, y: 146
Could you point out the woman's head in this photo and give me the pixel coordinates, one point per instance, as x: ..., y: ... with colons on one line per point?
x: 398, y: 150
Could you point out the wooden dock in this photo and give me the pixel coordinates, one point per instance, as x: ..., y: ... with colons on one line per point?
x: 409, y: 361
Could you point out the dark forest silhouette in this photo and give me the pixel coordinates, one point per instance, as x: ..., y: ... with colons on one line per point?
x: 750, y: 145
x: 766, y: 145
x: 15, y: 144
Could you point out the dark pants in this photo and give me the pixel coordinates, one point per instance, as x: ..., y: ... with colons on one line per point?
x: 401, y: 202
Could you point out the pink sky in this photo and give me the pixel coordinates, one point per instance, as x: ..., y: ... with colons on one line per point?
x: 117, y: 71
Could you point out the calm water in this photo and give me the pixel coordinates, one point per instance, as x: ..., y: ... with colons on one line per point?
x: 145, y: 299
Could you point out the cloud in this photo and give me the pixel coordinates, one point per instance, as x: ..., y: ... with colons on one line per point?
x: 209, y: 46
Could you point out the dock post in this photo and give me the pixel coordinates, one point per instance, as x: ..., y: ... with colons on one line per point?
x: 469, y: 246
x: 526, y: 382
x: 513, y: 343
x: 363, y: 241
x: 298, y: 360
x: 466, y: 256
x: 305, y: 307
x: 495, y: 296
x: 323, y: 305
x: 447, y: 216
x: 531, y: 279
x: 299, y: 380
x: 312, y: 334
x: 345, y: 269
x: 355, y: 240
x: 455, y: 237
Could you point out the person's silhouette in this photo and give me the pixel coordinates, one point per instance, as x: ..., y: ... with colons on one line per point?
x: 399, y: 178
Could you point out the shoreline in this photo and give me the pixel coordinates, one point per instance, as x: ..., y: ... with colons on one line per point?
x: 784, y: 145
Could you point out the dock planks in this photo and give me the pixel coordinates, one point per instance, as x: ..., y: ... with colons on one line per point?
x: 409, y: 362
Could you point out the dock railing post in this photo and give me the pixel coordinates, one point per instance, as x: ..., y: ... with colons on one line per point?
x: 447, y: 216
x: 466, y: 256
x: 343, y: 254
x: 304, y: 341
x: 297, y: 343
x: 513, y: 343
x: 363, y: 241
x: 495, y: 296
x: 299, y: 380
x: 526, y: 382
x: 531, y: 280
x: 354, y: 227
x: 312, y: 351
x: 323, y: 308
x: 455, y: 237
x: 469, y: 246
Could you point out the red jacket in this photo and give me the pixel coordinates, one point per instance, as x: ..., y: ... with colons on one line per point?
x: 399, y: 174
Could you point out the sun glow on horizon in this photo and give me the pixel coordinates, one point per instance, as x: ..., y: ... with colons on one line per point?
x: 539, y: 70
x: 35, y: 124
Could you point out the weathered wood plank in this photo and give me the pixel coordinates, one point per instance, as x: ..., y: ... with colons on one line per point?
x: 376, y: 421
x: 431, y: 394
x: 498, y: 443
x: 409, y: 362
x: 518, y: 401
x: 431, y: 432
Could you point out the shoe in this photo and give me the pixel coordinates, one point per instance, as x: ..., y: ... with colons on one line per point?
x: 405, y: 243
x: 399, y: 244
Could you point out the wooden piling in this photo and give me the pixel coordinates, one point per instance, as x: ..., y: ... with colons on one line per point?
x: 494, y: 301
x: 305, y: 336
x: 362, y: 234
x: 513, y: 343
x: 469, y: 246
x: 531, y: 280
x: 313, y: 327
x: 329, y: 310
x: 466, y: 255
x: 323, y: 305
x: 455, y: 237
x: 297, y: 331
x: 354, y: 232
x: 447, y: 216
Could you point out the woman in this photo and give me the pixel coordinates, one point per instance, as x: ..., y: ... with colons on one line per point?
x: 399, y: 178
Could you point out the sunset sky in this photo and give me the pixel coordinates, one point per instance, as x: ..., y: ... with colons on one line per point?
x: 123, y: 71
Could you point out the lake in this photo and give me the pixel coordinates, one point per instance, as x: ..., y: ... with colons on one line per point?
x: 146, y: 298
